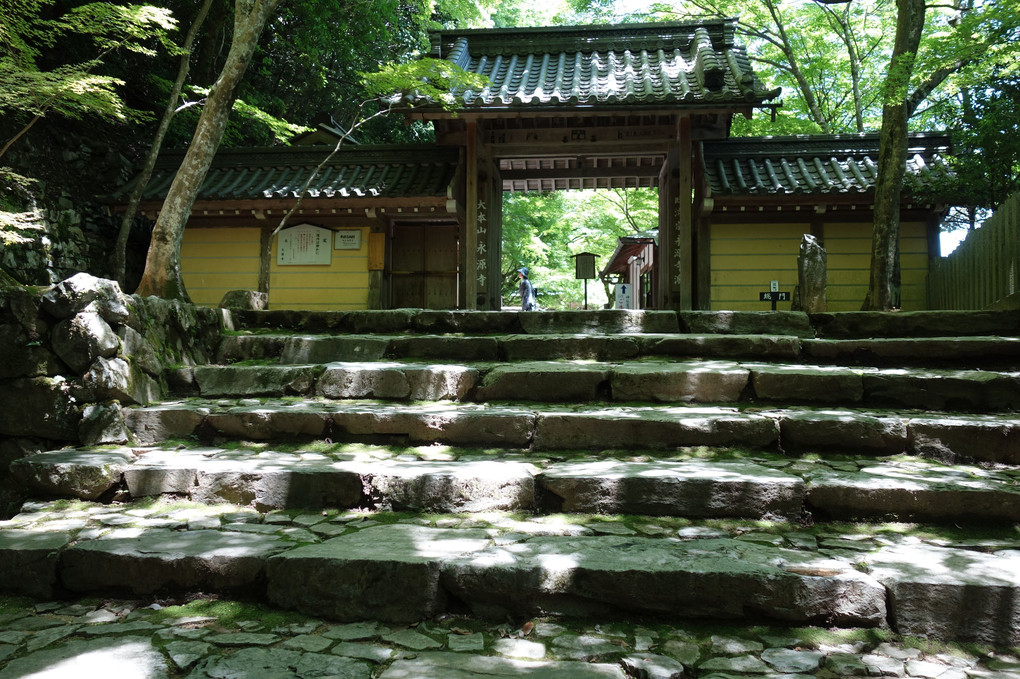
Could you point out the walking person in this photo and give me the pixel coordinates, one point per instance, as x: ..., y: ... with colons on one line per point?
x: 528, y: 300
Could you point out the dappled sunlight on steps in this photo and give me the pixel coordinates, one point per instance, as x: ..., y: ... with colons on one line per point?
x: 610, y: 464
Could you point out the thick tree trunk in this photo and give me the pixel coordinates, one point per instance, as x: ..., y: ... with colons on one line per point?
x: 892, y: 156
x: 119, y: 260
x: 162, y: 275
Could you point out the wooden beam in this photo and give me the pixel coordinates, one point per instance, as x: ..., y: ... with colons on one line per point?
x: 651, y: 147
x: 582, y: 173
x: 684, y: 296
x: 275, y: 208
x: 607, y: 135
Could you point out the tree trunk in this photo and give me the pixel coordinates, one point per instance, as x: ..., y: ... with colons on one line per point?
x: 119, y: 260
x: 892, y: 156
x: 162, y: 275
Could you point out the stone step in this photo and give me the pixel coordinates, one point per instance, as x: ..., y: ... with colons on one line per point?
x: 346, y: 568
x: 652, y: 381
x: 764, y: 487
x: 843, y: 325
x: 551, y: 427
x: 963, y: 352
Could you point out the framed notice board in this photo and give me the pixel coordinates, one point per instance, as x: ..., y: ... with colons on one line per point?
x: 304, y: 244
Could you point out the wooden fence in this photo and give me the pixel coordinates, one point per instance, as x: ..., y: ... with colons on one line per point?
x: 984, y: 270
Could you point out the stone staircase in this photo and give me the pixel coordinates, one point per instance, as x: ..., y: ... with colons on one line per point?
x: 851, y: 470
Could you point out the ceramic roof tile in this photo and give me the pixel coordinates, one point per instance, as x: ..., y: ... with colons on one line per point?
x: 377, y: 171
x: 678, y: 64
x: 819, y: 165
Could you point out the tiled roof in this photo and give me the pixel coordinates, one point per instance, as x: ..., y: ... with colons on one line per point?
x: 693, y: 64
x: 358, y: 172
x: 820, y: 165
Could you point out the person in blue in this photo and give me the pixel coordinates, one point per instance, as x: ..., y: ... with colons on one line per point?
x: 528, y: 301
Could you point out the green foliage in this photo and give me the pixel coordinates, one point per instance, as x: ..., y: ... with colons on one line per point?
x: 228, y: 614
x: 423, y: 81
x: 15, y: 192
x: 73, y: 89
x: 986, y: 143
x: 311, y: 57
x: 544, y: 231
x: 274, y: 128
x: 547, y: 13
x: 130, y: 27
x: 786, y: 122
x: 467, y: 13
x: 315, y: 55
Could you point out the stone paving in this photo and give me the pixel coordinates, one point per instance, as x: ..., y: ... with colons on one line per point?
x: 37, y: 635
x: 212, y: 638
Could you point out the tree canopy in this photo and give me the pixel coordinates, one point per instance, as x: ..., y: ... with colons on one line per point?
x: 33, y: 83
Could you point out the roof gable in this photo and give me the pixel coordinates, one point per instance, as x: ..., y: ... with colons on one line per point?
x: 689, y: 64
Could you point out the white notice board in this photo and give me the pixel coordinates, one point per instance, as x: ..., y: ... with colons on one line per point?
x: 304, y: 244
x: 347, y: 239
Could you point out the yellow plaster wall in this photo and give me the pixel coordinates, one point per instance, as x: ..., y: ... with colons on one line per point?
x: 849, y: 260
x: 215, y: 260
x: 746, y: 257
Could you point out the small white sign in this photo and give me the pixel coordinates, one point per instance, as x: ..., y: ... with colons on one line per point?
x: 304, y: 244
x: 624, y: 295
x: 349, y: 239
x: 773, y: 286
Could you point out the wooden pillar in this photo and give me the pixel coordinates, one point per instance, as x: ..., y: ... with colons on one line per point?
x: 683, y: 292
x: 702, y: 232
x: 676, y: 238
x: 487, y: 212
x: 664, y: 271
x: 376, y: 267
x: 703, y: 264
x: 494, y: 218
x: 471, y: 218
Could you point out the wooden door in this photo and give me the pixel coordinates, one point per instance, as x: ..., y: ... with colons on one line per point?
x: 424, y: 266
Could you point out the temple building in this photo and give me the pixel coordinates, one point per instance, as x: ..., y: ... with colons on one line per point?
x: 578, y: 107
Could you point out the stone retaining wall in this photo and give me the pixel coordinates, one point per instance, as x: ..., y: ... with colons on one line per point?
x: 43, y: 247
x: 74, y: 353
